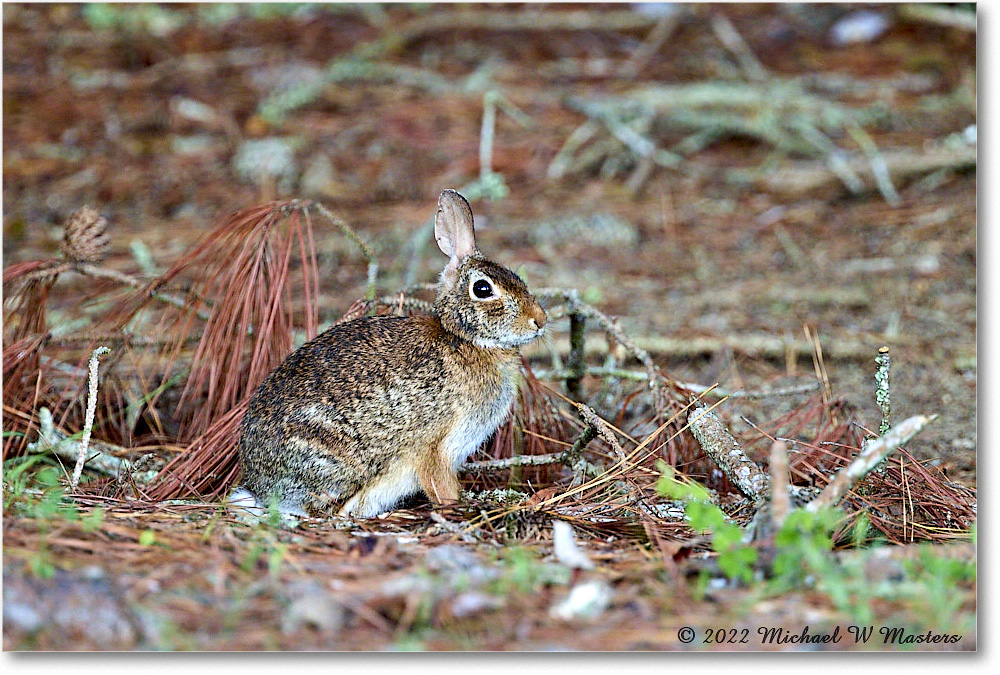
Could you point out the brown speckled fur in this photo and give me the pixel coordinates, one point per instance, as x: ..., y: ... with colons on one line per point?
x: 378, y: 408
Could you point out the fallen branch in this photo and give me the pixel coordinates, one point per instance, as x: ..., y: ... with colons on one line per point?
x: 756, y: 345
x: 952, y: 17
x: 871, y: 454
x: 103, y: 460
x: 572, y: 457
x: 801, y: 177
x: 725, y: 451
x: 699, y: 389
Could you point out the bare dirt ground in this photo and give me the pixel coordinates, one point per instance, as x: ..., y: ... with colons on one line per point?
x: 715, y: 272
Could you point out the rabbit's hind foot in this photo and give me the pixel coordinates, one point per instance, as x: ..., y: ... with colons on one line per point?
x: 387, y: 491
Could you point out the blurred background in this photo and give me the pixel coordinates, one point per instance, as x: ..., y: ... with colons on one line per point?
x: 717, y: 176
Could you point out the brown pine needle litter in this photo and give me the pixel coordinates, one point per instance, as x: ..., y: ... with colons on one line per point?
x: 231, y: 308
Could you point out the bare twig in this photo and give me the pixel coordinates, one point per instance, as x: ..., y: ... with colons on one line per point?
x: 660, y: 33
x: 602, y: 429
x: 879, y: 168
x: 629, y: 137
x: 452, y: 528
x: 96, y: 271
x: 560, y: 164
x: 366, y: 249
x: 780, y: 500
x: 572, y: 299
x: 128, y: 280
x: 801, y: 177
x: 734, y: 42
x: 517, y: 460
x: 575, y: 363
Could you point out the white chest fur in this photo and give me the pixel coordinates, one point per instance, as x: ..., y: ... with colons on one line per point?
x: 473, y: 427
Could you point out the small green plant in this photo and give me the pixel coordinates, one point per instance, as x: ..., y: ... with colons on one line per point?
x: 37, y: 494
x: 803, y: 544
x: 33, y: 489
x: 736, y: 560
x: 929, y: 587
x: 522, y: 569
x: 93, y: 520
x: 16, y: 477
x: 264, y: 542
x: 524, y: 572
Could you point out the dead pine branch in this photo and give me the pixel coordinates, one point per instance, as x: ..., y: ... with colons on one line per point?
x: 871, y: 454
x: 609, y: 325
x: 571, y: 457
x: 725, y: 451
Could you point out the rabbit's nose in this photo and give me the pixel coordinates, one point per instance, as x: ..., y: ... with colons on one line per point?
x: 537, y: 318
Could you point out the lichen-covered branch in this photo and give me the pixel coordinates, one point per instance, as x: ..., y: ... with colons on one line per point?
x: 603, y: 430
x: 882, y: 362
x: 871, y: 454
x: 103, y: 458
x: 725, y: 451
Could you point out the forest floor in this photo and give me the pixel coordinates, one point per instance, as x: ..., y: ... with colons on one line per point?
x: 713, y: 252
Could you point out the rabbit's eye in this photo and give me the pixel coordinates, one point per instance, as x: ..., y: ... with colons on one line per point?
x: 482, y: 289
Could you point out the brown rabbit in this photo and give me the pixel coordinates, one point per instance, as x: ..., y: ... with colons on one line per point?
x: 376, y: 409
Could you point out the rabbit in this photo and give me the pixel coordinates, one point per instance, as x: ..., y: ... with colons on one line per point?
x: 377, y: 409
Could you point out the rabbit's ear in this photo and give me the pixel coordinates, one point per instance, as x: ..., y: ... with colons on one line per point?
x: 453, y: 228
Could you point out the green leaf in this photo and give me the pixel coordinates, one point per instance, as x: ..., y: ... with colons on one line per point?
x: 670, y: 487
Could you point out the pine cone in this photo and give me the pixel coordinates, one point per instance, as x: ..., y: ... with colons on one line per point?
x: 85, y: 239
